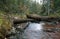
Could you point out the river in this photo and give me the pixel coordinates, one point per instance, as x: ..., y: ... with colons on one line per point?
x: 35, y: 31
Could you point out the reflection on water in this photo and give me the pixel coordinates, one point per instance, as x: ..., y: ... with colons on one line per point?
x: 35, y: 31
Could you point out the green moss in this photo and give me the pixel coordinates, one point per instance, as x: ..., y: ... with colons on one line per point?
x: 5, y: 24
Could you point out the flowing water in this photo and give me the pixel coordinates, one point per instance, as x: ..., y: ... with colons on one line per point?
x: 35, y: 31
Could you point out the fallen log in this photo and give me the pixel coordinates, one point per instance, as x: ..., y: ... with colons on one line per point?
x: 36, y: 18
x: 18, y: 21
x: 43, y: 18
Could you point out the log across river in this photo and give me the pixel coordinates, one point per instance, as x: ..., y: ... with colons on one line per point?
x: 36, y: 30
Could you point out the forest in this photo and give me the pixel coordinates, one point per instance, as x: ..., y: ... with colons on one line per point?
x: 51, y: 7
x: 10, y: 9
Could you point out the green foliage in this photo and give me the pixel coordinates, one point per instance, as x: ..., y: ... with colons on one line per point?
x: 20, y: 6
x: 9, y: 5
x: 5, y: 24
x: 27, y: 7
x: 57, y: 6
